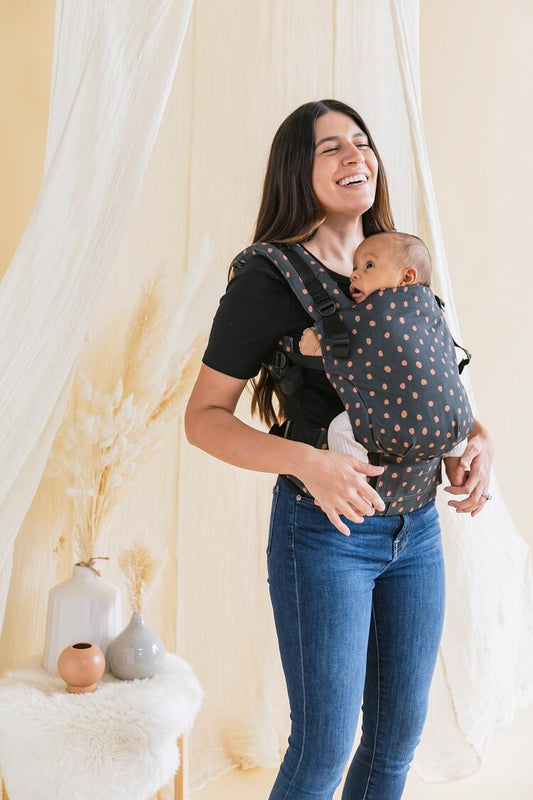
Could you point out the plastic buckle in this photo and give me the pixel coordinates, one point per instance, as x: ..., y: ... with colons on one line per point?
x: 326, y: 306
x: 277, y: 364
x: 340, y: 344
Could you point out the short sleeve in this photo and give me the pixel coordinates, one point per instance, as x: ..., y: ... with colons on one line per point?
x: 252, y: 316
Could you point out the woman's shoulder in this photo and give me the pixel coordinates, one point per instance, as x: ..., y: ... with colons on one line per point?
x: 260, y: 257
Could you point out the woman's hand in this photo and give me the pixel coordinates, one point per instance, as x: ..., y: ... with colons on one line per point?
x: 476, y: 461
x: 339, y: 485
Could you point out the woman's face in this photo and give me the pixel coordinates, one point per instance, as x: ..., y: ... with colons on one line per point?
x: 345, y: 169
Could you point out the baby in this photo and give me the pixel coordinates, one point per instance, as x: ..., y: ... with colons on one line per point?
x: 382, y: 261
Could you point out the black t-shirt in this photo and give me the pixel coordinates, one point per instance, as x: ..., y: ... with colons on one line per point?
x: 257, y: 310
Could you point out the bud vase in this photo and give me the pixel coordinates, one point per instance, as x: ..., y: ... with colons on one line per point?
x: 137, y: 652
x: 81, y: 665
x: 85, y: 608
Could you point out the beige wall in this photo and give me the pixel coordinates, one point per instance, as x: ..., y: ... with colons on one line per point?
x: 477, y: 65
x: 476, y: 69
x: 26, y: 44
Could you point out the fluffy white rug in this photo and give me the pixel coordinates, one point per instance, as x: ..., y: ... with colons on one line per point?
x: 118, y: 743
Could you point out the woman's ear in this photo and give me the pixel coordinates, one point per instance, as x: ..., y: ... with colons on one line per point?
x: 409, y: 276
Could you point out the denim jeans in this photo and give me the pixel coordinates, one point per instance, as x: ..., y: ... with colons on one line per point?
x: 356, y: 617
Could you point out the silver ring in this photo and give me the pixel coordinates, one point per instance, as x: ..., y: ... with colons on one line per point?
x: 486, y: 495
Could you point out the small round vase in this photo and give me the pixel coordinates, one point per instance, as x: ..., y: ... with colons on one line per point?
x: 81, y: 665
x: 137, y: 652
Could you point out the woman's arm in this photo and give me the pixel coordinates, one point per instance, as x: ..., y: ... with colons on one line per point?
x: 477, y: 461
x: 336, y: 481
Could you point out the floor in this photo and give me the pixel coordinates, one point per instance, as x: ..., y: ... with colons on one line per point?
x: 506, y: 775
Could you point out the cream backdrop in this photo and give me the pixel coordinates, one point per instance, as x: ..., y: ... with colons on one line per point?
x: 243, y: 67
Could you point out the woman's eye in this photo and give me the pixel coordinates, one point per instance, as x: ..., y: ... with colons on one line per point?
x: 330, y: 150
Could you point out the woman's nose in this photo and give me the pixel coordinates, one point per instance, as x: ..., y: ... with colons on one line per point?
x: 354, y: 155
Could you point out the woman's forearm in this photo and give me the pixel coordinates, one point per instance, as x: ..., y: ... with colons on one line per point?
x: 221, y: 434
x: 336, y: 481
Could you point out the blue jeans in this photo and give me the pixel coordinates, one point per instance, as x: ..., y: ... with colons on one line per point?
x: 357, y: 616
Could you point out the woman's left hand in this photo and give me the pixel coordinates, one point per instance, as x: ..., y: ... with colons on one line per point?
x: 477, y: 461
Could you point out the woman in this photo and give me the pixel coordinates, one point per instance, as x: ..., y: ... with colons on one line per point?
x: 359, y: 614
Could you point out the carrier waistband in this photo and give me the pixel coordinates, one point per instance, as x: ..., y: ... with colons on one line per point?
x: 317, y: 437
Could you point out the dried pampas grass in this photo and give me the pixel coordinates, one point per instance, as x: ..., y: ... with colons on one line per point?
x: 141, y: 568
x: 106, y: 435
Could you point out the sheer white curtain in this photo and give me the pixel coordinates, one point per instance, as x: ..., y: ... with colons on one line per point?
x: 113, y: 68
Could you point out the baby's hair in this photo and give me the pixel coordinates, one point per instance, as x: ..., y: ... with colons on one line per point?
x: 414, y: 254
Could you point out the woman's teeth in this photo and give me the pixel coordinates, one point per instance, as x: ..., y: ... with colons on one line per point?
x: 353, y: 179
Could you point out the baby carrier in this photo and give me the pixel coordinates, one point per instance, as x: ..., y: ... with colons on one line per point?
x: 391, y: 360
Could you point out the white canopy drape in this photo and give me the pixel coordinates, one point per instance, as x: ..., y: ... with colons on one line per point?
x: 113, y: 68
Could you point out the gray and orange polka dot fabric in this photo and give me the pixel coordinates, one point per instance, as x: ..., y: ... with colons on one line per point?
x: 399, y: 383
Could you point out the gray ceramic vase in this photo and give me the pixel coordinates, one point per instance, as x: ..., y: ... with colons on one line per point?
x: 137, y: 652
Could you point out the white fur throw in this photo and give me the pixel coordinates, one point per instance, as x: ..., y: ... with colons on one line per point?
x: 117, y: 743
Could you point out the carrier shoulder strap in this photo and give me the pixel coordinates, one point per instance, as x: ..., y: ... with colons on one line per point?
x: 336, y: 334
x: 323, y: 306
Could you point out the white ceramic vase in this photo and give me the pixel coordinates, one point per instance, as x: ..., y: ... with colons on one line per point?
x: 85, y: 608
x: 137, y: 652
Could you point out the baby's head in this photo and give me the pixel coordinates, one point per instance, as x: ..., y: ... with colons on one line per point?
x: 387, y: 260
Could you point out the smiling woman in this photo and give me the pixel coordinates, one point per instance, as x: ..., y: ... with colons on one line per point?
x: 328, y: 590
x: 347, y: 49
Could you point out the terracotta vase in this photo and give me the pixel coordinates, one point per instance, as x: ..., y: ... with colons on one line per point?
x: 137, y: 652
x: 85, y: 608
x: 81, y: 665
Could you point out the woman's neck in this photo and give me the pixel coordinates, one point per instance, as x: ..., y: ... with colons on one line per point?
x: 335, y: 244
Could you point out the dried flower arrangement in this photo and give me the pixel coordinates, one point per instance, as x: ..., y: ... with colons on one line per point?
x: 141, y: 569
x: 106, y: 434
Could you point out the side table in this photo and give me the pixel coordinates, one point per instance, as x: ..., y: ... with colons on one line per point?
x: 116, y: 743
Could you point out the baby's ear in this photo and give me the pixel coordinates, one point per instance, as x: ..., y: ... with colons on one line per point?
x: 409, y: 276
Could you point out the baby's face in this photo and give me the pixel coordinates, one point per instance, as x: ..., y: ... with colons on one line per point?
x: 377, y: 265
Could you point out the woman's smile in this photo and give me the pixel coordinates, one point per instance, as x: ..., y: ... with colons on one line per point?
x: 359, y: 179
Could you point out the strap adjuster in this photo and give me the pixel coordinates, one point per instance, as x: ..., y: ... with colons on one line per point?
x: 324, y: 303
x: 326, y: 306
x: 340, y: 344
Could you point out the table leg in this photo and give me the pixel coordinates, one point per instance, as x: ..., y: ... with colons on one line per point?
x: 4, y: 793
x: 181, y: 778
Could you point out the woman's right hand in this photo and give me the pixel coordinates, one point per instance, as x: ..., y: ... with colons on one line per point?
x: 339, y: 485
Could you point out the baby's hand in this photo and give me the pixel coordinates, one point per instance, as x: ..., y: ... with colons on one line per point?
x: 309, y: 344
x: 455, y: 472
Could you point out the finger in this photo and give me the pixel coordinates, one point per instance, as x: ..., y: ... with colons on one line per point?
x: 456, y: 489
x: 363, y: 497
x: 476, y: 483
x: 472, y: 450
x: 480, y: 507
x: 366, y: 469
x: 360, y: 509
x: 335, y: 519
x: 466, y: 506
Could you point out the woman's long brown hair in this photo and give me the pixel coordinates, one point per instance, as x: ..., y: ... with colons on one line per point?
x: 289, y: 211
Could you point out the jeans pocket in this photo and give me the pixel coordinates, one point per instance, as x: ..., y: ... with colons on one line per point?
x: 275, y: 497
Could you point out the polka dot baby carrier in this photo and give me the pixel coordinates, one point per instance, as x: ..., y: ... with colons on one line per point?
x: 391, y: 359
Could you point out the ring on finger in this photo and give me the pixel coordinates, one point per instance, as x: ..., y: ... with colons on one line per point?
x: 486, y: 495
